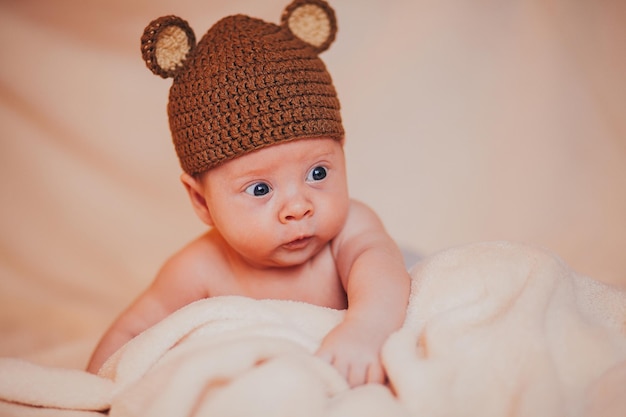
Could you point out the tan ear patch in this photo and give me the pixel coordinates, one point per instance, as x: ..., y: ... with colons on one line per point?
x: 166, y: 44
x: 171, y: 48
x: 310, y: 24
x: 312, y: 21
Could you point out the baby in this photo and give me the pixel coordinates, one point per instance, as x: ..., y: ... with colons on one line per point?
x: 256, y: 125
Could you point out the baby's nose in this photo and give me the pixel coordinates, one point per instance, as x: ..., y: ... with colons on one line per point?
x: 296, y: 208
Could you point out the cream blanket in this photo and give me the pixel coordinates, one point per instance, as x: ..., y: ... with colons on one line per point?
x: 492, y: 329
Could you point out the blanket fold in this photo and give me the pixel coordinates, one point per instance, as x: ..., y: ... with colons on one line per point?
x: 492, y: 329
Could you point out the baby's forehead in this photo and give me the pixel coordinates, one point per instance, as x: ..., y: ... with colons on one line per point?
x: 296, y: 152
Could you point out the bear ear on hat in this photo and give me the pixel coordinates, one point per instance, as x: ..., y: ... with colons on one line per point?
x: 311, y: 21
x: 166, y: 44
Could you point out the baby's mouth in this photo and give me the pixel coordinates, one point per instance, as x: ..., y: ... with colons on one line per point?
x: 299, y: 243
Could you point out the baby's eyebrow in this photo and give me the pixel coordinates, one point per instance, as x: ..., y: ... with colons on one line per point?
x: 252, y: 172
x: 322, y: 155
x: 247, y: 176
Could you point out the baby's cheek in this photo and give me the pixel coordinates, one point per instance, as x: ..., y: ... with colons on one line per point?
x: 335, y: 216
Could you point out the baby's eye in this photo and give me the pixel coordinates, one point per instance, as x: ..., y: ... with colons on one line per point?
x: 316, y: 174
x: 259, y: 189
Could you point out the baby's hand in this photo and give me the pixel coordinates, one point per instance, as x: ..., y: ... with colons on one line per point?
x: 354, y: 349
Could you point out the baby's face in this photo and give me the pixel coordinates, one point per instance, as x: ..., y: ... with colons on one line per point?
x: 280, y: 205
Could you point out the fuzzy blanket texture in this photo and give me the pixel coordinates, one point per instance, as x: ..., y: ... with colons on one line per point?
x: 492, y: 329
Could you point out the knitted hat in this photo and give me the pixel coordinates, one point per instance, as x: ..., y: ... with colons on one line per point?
x: 247, y: 84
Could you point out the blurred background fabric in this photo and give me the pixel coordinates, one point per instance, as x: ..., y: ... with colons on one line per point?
x: 466, y: 121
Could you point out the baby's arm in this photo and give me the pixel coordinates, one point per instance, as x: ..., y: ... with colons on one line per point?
x: 377, y: 284
x: 175, y: 286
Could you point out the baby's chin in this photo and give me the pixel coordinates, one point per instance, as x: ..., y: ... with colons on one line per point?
x: 269, y: 262
x: 287, y: 258
x: 285, y: 262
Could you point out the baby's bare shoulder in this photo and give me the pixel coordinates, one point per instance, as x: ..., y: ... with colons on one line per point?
x: 362, y: 232
x: 361, y: 219
x: 195, y: 263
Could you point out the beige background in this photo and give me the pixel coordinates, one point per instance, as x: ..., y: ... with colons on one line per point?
x: 466, y: 121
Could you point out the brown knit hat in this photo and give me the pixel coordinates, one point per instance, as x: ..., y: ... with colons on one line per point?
x: 247, y: 84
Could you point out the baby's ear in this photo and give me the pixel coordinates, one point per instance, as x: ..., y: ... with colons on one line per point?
x: 166, y: 44
x: 195, y: 191
x: 311, y: 21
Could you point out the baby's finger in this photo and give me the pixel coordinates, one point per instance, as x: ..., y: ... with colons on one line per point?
x: 342, y: 367
x: 325, y: 356
x: 356, y: 375
x: 376, y: 374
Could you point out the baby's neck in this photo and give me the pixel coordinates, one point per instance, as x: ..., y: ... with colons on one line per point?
x: 315, y: 281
